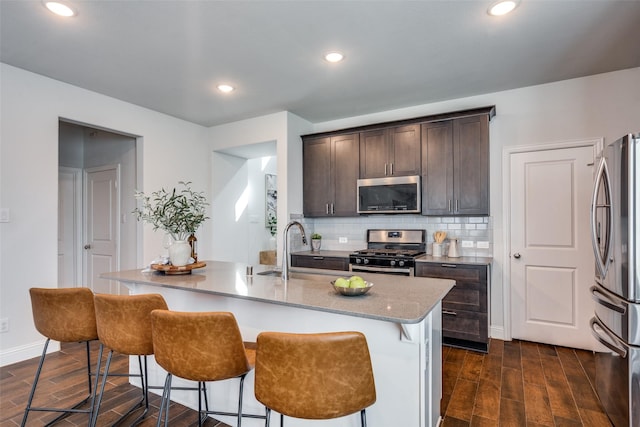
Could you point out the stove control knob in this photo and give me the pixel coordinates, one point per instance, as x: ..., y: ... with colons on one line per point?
x: 393, y: 262
x: 358, y: 260
x: 401, y: 263
x: 366, y: 261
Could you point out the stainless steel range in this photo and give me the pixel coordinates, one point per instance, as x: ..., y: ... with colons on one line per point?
x: 390, y: 252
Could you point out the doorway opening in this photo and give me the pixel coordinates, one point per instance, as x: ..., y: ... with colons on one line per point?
x: 98, y: 175
x: 243, y: 195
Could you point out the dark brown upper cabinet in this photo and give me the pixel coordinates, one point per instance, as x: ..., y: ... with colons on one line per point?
x: 393, y: 151
x: 330, y: 174
x: 455, y: 166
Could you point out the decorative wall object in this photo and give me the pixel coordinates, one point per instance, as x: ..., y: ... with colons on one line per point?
x: 271, y: 202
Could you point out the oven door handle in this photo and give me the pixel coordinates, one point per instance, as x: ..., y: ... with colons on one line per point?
x: 380, y: 269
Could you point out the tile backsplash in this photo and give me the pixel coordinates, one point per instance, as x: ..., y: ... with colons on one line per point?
x: 469, y: 230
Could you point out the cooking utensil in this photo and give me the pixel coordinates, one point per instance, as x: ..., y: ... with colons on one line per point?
x: 439, y: 236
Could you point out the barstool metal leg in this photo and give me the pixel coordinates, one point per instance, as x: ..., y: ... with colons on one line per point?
x: 145, y: 391
x: 202, y: 392
x: 267, y: 417
x: 165, y: 402
x: 96, y: 410
x: 144, y: 400
x: 64, y: 411
x: 35, y: 383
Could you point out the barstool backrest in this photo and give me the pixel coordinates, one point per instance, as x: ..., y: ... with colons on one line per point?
x: 204, y: 346
x: 314, y: 376
x: 124, y: 321
x: 64, y: 314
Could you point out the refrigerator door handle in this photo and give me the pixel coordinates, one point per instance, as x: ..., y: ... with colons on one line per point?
x: 607, y: 300
x: 612, y: 342
x: 602, y: 259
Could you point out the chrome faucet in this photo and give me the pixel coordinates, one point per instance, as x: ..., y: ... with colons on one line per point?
x: 285, y: 247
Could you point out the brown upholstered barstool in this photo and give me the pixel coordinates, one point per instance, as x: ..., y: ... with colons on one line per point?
x: 65, y: 315
x: 314, y: 376
x: 200, y: 347
x: 124, y: 326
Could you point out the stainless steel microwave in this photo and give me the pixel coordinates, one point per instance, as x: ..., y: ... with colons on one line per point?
x: 401, y: 194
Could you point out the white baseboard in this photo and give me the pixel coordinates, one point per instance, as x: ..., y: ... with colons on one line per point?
x: 497, y: 332
x: 25, y: 352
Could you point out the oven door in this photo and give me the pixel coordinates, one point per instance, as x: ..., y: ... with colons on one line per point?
x: 398, y: 271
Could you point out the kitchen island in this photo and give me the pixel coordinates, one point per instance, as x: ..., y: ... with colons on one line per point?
x: 400, y: 316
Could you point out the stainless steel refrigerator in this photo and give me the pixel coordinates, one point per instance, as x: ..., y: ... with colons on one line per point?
x: 615, y: 218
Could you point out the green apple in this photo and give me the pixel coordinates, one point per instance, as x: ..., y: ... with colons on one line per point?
x: 342, y: 282
x: 357, y: 282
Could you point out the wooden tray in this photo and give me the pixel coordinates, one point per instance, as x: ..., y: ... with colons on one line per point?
x: 171, y: 269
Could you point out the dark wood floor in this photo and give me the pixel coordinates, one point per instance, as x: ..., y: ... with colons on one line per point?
x: 63, y: 381
x: 518, y: 383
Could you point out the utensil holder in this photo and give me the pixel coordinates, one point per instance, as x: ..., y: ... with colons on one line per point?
x: 437, y: 249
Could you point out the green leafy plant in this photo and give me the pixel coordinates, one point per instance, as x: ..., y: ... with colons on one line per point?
x: 272, y: 224
x: 178, y: 212
x: 316, y: 236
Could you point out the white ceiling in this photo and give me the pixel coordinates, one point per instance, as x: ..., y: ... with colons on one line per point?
x: 169, y: 55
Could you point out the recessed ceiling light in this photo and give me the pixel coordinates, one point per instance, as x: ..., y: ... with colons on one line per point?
x: 60, y: 9
x: 334, y: 57
x: 502, y: 7
x: 225, y: 88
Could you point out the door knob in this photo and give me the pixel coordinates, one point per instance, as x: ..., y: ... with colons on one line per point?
x: 516, y: 255
x: 87, y: 246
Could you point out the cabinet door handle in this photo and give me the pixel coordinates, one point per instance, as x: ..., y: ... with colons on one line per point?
x: 326, y: 208
x: 385, y: 169
x: 457, y: 207
x: 333, y: 209
x: 448, y: 265
x: 391, y: 167
x: 449, y: 209
x: 450, y: 313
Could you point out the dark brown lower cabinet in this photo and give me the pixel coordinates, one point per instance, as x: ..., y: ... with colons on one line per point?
x: 465, y: 317
x: 320, y: 261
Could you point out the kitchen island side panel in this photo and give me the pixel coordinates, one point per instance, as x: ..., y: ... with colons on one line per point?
x: 406, y: 361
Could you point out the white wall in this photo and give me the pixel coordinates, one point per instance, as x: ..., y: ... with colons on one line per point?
x: 285, y: 129
x: 30, y: 108
x: 604, y: 105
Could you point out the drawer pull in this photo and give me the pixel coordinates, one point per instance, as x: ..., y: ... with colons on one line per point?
x: 318, y: 258
x: 448, y: 265
x: 450, y: 313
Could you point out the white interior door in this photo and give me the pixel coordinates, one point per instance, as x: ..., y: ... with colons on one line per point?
x: 69, y: 221
x: 552, y: 263
x: 101, y: 235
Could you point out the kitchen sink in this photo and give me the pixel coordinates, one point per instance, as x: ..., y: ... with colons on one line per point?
x: 275, y: 273
x: 307, y: 274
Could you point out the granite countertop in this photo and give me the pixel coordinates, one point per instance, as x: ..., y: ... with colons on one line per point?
x: 393, y: 298
x: 424, y: 258
x: 323, y: 252
x: 472, y: 260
